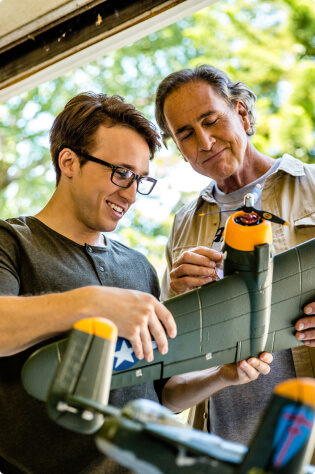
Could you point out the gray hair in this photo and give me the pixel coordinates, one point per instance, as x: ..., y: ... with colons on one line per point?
x: 230, y: 91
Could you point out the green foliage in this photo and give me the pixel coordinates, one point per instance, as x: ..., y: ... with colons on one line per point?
x: 270, y: 45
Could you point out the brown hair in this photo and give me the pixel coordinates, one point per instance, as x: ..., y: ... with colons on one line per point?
x: 230, y: 91
x: 78, y: 122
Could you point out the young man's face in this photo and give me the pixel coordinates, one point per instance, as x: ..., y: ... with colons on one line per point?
x: 99, y: 204
x: 209, y: 134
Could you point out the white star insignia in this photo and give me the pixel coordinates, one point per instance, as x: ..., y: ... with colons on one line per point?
x: 124, y: 354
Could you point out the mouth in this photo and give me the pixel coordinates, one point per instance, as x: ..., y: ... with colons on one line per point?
x: 213, y: 156
x: 118, y: 210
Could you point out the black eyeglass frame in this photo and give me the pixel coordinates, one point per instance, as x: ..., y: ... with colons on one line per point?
x: 114, y: 168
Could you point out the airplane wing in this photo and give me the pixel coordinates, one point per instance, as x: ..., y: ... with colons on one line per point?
x: 214, y: 325
x: 214, y: 321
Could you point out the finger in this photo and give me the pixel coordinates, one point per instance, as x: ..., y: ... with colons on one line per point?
x: 188, y: 269
x: 266, y: 357
x: 160, y: 322
x: 193, y: 258
x: 210, y: 253
x: 310, y: 343
x: 260, y: 366
x: 160, y: 338
x: 166, y: 317
x: 181, y: 285
x: 199, y: 256
x: 306, y: 335
x: 136, y: 345
x: 156, y: 329
x: 305, y: 323
x: 310, y: 309
x: 146, y: 343
x: 250, y: 372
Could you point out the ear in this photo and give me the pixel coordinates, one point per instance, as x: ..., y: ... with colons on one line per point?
x: 242, y: 111
x: 68, y: 162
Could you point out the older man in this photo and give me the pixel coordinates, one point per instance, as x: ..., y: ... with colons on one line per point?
x: 210, y: 118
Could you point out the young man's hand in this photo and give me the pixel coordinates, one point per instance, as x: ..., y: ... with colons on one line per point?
x: 137, y: 315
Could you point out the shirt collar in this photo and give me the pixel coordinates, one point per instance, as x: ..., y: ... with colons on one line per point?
x: 291, y: 165
x: 206, y: 195
x: 288, y: 164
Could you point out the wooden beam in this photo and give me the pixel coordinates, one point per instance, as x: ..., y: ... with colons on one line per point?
x: 35, y: 16
x: 65, y: 37
x: 84, y: 36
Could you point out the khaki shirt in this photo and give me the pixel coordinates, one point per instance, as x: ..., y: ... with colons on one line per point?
x: 289, y: 192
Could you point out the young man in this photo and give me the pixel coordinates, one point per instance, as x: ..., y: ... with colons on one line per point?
x: 100, y: 148
x: 211, y: 119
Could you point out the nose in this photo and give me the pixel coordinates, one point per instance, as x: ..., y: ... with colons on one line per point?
x: 205, y: 140
x: 129, y: 193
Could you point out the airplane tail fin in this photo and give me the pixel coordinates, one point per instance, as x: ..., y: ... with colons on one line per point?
x: 285, y: 440
x: 80, y: 387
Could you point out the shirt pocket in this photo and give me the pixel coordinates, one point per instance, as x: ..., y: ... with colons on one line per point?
x: 304, y: 227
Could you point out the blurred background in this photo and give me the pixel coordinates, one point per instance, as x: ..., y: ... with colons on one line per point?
x: 270, y: 45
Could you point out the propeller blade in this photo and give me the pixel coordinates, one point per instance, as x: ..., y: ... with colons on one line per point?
x: 268, y: 216
x: 248, y: 207
x: 220, y: 212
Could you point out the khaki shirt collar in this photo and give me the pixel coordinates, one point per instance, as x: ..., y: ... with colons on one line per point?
x: 291, y: 166
x: 288, y: 164
x: 206, y: 195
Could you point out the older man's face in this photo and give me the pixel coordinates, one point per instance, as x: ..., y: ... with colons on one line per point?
x: 209, y: 134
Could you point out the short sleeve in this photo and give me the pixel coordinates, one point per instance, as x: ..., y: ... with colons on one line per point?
x: 9, y: 261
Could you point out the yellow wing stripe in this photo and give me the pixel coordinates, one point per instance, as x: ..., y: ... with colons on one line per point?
x: 99, y: 327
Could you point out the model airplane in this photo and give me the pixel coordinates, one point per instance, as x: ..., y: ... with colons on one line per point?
x: 145, y: 437
x: 252, y: 309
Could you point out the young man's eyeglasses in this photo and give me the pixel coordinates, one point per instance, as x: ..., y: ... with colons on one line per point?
x: 122, y: 177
